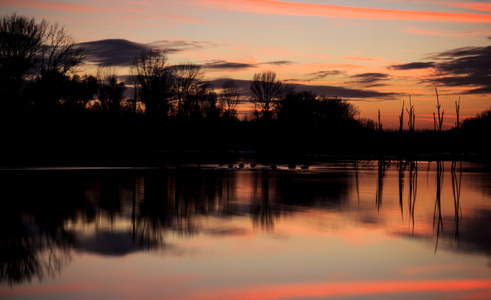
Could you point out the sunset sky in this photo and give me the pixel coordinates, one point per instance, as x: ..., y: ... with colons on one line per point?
x: 374, y: 53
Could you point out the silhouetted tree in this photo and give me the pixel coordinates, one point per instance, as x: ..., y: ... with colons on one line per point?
x: 42, y: 51
x: 47, y: 91
x: 60, y: 55
x: 296, y: 109
x: 335, y: 122
x: 457, y: 113
x: 188, y: 81
x: 438, y: 118
x: 411, y: 116
x: 295, y: 113
x: 153, y: 82
x: 204, y: 102
x: 310, y: 123
x: 81, y: 90
x: 111, y: 92
x: 474, y: 132
x: 335, y: 111
x: 367, y: 123
x: 401, y: 119
x: 21, y: 41
x: 266, y: 90
x: 60, y: 52
x: 229, y: 98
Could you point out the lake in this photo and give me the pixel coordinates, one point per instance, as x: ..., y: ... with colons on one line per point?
x: 352, y: 230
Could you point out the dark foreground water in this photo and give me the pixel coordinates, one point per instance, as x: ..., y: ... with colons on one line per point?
x: 331, y: 232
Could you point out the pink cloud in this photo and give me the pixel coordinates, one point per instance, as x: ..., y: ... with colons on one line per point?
x: 421, y: 31
x: 48, y: 5
x: 278, y: 7
x: 436, y: 32
x: 433, y: 269
x: 46, y: 290
x: 472, y: 6
x: 144, y: 9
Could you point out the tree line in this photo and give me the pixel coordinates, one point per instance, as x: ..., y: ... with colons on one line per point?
x: 49, y: 112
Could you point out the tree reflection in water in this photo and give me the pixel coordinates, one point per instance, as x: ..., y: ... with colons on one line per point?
x: 413, y: 189
x: 380, y: 183
x: 437, y: 214
x: 263, y: 212
x: 456, y: 189
x: 33, y: 241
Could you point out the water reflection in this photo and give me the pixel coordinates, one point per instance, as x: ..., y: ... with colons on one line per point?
x: 47, y: 216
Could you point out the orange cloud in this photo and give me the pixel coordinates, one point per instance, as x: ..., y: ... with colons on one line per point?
x: 362, y: 58
x: 340, y: 289
x: 436, y: 32
x: 278, y: 7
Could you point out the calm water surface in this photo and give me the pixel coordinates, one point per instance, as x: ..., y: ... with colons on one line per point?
x: 331, y: 232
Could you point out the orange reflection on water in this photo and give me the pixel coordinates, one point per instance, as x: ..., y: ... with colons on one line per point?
x: 342, y: 289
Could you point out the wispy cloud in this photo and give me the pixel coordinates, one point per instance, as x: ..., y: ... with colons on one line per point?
x: 44, y: 5
x: 180, y: 45
x: 278, y: 7
x: 279, y: 62
x: 369, y: 79
x: 322, y: 74
x: 121, y: 52
x: 412, y: 66
x: 317, y: 76
x: 222, y: 64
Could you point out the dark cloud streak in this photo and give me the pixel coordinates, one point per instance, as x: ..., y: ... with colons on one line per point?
x: 412, y: 66
x: 317, y: 75
x: 468, y: 67
x: 177, y: 46
x: 369, y: 79
x: 121, y: 52
x: 321, y: 90
x: 222, y: 64
x: 279, y: 63
x: 112, y: 52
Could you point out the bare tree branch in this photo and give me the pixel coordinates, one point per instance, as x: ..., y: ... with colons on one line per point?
x: 266, y: 90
